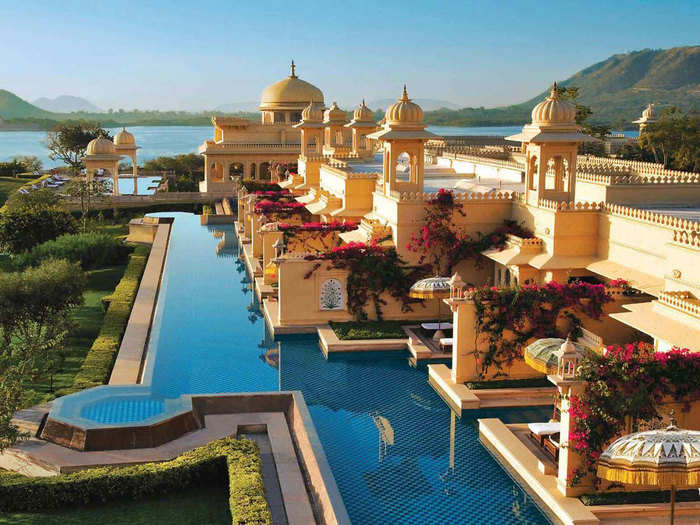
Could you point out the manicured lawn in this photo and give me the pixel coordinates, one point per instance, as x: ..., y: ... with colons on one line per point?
x: 370, y: 329
x: 510, y: 383
x: 208, y: 505
x: 88, y: 319
x: 9, y: 185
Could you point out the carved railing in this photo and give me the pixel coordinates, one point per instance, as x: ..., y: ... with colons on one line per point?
x: 652, y: 217
x: 690, y: 238
x: 418, y: 196
x: 570, y: 206
x: 682, y: 301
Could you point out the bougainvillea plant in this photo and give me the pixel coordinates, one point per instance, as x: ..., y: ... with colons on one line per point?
x: 278, y: 209
x: 529, y: 312
x: 372, y: 271
x: 623, y: 392
x: 260, y: 185
x: 273, y: 195
x: 324, y: 233
x: 441, y: 244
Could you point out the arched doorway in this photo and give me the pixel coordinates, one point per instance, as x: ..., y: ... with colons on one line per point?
x: 265, y: 171
x: 403, y: 168
x: 235, y: 170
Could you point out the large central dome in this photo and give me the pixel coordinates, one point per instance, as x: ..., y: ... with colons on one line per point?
x: 290, y: 93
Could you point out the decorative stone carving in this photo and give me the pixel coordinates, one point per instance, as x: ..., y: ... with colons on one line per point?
x: 332, y: 296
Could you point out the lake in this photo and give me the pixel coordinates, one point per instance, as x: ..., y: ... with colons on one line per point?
x: 156, y: 141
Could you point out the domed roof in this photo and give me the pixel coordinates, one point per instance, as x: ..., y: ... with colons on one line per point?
x: 363, y: 114
x: 124, y: 138
x: 100, y: 146
x: 404, y: 113
x: 290, y: 93
x: 334, y: 114
x: 312, y: 113
x: 554, y: 110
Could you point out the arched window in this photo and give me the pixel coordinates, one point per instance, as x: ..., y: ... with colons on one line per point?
x: 332, y: 296
x: 403, y: 168
x: 534, y: 175
x: 279, y: 117
x: 265, y: 171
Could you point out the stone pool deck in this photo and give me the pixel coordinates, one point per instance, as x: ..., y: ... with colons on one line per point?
x: 129, y: 363
x: 536, y: 473
x: 459, y: 397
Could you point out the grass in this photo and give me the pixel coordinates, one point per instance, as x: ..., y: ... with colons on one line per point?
x: 509, y: 383
x: 627, y: 498
x: 88, y: 319
x: 369, y: 329
x: 201, y: 505
x: 9, y: 185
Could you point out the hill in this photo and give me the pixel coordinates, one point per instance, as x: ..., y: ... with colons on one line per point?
x: 428, y: 104
x: 66, y: 104
x: 13, y: 107
x: 617, y: 89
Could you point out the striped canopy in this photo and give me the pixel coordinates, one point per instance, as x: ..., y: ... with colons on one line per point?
x: 667, y: 457
x: 431, y: 288
x: 542, y: 355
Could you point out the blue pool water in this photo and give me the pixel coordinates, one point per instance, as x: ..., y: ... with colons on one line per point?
x: 425, y: 466
x: 126, y: 185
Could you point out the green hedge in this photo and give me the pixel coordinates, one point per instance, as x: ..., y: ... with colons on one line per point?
x: 212, y: 463
x: 646, y: 496
x: 369, y: 329
x: 92, y: 250
x: 100, y: 358
x: 22, y: 230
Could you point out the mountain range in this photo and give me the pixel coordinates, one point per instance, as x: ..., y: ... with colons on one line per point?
x: 66, y: 104
x: 616, y: 89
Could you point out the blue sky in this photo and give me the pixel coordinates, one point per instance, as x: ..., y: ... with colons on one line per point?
x: 170, y: 54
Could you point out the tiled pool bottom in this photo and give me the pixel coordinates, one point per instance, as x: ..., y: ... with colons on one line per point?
x: 123, y: 410
x: 397, y: 454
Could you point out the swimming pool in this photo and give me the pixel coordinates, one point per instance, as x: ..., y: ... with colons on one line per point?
x: 397, y: 453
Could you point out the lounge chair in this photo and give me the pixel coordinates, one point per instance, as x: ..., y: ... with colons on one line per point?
x: 547, y: 436
x: 436, y: 326
x: 446, y: 343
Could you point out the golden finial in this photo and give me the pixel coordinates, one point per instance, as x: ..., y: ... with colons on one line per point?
x: 404, y: 95
x: 555, y: 91
x: 293, y: 75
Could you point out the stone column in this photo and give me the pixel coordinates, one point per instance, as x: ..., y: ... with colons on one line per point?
x: 569, y: 459
x: 463, y: 344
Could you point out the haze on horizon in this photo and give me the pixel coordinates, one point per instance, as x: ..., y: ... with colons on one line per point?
x: 185, y: 56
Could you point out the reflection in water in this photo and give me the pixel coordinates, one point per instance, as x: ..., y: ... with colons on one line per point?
x: 207, y: 347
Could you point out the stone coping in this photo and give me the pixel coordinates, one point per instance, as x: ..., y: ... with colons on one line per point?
x: 129, y: 363
x: 510, y: 445
x: 523, y: 465
x: 459, y: 397
x: 330, y: 343
x: 46, y: 456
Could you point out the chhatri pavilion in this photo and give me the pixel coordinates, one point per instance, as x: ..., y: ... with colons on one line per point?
x: 241, y: 148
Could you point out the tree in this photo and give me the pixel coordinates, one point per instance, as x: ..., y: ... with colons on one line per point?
x: 31, y: 163
x: 67, y: 142
x: 35, y: 200
x: 22, y: 229
x: 87, y: 191
x: 35, y: 320
x: 11, y: 168
x: 674, y: 139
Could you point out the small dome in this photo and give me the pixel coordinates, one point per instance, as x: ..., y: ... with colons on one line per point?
x: 404, y: 112
x: 312, y: 113
x: 100, y: 146
x: 553, y: 110
x: 124, y: 138
x: 649, y: 112
x: 334, y: 114
x: 363, y: 113
x: 290, y: 92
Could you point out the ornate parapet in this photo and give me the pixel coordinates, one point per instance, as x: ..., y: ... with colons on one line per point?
x: 627, y: 179
x: 610, y: 166
x: 570, y: 206
x: 687, y: 238
x: 684, y: 302
x: 652, y: 217
x: 417, y: 196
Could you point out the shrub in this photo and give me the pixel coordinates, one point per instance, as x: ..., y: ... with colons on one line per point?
x: 100, y: 358
x: 92, y: 250
x: 21, y: 230
x: 369, y: 329
x: 239, y: 459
